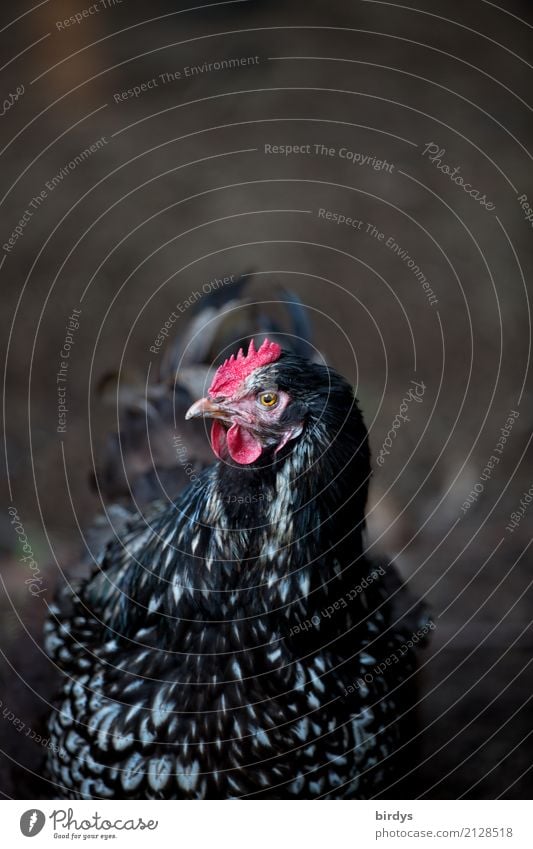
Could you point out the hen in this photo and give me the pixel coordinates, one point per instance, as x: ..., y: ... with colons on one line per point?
x: 238, y: 642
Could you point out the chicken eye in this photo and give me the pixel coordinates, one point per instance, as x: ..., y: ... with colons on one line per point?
x: 268, y: 399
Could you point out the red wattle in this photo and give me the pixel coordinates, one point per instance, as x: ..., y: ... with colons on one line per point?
x: 243, y: 446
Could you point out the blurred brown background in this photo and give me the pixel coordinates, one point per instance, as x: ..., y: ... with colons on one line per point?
x: 181, y: 191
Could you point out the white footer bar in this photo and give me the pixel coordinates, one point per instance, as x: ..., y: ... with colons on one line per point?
x: 269, y: 824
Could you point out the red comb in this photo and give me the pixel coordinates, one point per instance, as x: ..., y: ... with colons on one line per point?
x: 231, y: 374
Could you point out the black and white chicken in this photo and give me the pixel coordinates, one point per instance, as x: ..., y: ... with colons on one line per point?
x: 237, y: 641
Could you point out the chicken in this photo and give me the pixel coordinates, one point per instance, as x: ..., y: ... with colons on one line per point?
x: 238, y: 642
x: 153, y: 455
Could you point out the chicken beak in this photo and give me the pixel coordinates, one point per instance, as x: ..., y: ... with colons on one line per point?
x: 206, y: 409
